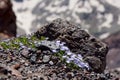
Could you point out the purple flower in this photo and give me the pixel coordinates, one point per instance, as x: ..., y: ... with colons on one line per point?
x: 35, y: 42
x: 64, y: 48
x: 80, y: 57
x: 54, y: 51
x: 69, y: 53
x: 81, y: 64
x: 68, y: 61
x: 21, y: 44
x: 46, y: 38
x: 71, y: 59
x: 57, y: 42
x: 23, y: 47
x: 73, y: 56
x: 64, y: 56
x: 29, y: 48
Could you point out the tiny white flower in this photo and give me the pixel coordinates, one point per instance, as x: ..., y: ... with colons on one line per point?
x: 35, y: 42
x: 64, y: 48
x: 57, y: 42
x: 68, y: 61
x: 64, y: 56
x: 54, y: 51
x: 82, y: 64
x: 73, y: 56
x: 86, y: 65
x: 69, y: 53
x: 29, y: 48
x: 21, y: 44
x: 46, y: 38
x: 39, y: 43
x: 80, y: 57
x: 18, y: 35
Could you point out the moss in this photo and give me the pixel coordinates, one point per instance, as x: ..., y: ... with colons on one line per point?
x: 27, y: 41
x: 4, y: 45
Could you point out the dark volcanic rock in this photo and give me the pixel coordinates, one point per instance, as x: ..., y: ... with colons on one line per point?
x: 113, y: 57
x: 79, y: 42
x: 7, y: 20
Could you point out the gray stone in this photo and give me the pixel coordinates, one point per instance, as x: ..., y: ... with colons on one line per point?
x: 51, y: 63
x: 46, y: 58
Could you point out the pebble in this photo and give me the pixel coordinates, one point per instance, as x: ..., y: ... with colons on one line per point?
x: 24, y: 53
x: 22, y: 61
x: 41, y: 71
x: 70, y: 75
x: 26, y: 64
x: 51, y: 63
x: 33, y: 58
x: 46, y: 58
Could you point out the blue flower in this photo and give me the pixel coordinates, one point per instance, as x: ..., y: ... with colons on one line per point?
x: 69, y: 53
x: 64, y: 56
x: 23, y: 47
x: 79, y: 57
x: 71, y: 57
x: 54, y: 51
x: 57, y: 42
x: 68, y: 61
x: 64, y: 48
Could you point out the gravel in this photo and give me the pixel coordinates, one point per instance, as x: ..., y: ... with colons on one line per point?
x: 40, y: 64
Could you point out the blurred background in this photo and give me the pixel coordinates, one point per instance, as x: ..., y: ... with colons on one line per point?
x: 100, y: 17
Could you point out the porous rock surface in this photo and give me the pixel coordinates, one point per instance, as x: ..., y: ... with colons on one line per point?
x: 8, y: 25
x: 79, y: 42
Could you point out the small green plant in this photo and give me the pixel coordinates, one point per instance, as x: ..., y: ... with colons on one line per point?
x: 16, y: 43
x: 4, y: 45
x: 71, y: 65
x: 72, y: 60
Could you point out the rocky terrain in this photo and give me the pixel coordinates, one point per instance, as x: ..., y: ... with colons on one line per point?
x: 60, y: 50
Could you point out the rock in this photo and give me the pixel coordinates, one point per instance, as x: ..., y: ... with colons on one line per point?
x: 94, y: 62
x: 25, y: 53
x: 113, y: 57
x: 33, y: 58
x: 3, y: 70
x: 51, y: 63
x: 7, y: 20
x: 78, y: 40
x: 46, y: 58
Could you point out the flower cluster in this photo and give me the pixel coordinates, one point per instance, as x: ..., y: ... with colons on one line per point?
x: 71, y: 57
x: 55, y: 46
